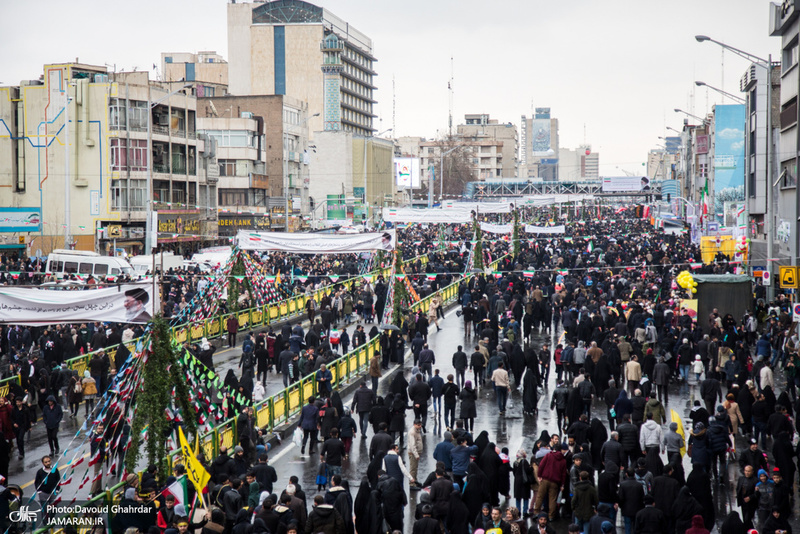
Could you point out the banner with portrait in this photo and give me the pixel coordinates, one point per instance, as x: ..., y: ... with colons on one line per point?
x: 123, y: 303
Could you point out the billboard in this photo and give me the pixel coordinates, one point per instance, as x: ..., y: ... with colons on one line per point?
x: 729, y: 125
x: 406, y: 172
x: 20, y: 220
x: 626, y: 184
x: 540, y: 137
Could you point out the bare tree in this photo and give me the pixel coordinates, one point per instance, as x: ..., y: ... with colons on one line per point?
x: 458, y: 166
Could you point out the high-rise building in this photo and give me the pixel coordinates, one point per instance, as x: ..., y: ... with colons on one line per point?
x: 79, y: 148
x: 539, y: 146
x: 208, y: 70
x: 294, y: 48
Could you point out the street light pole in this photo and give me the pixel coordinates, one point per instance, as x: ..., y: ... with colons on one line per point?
x: 720, y: 91
x: 148, y: 224
x: 67, y: 208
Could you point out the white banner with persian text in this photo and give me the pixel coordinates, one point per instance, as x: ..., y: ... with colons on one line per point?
x: 493, y: 228
x: 125, y: 303
x: 316, y: 243
x: 433, y: 215
x: 530, y: 229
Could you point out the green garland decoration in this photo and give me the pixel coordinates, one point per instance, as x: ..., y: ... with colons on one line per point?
x: 478, y: 253
x: 400, y: 294
x: 161, y: 374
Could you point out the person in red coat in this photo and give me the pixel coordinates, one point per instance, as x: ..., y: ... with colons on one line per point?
x: 698, y: 527
x: 552, y: 476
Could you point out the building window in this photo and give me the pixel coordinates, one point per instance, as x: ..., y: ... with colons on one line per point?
x: 120, y: 196
x: 232, y: 138
x: 233, y: 197
x: 227, y: 167
x: 128, y: 157
x: 790, y: 55
x: 116, y: 114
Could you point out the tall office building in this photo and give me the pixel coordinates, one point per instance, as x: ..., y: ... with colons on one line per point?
x: 294, y: 48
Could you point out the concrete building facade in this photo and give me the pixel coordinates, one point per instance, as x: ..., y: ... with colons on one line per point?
x: 76, y: 158
x: 294, y: 48
x: 481, y: 127
x: 337, y: 169
x: 257, y: 177
x: 578, y: 164
x: 208, y: 70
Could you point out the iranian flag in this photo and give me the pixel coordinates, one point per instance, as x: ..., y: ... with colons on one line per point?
x: 178, y: 490
x: 590, y: 246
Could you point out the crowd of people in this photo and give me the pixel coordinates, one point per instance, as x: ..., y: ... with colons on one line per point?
x: 589, y: 324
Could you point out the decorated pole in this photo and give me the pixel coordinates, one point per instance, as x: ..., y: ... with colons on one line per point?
x: 161, y: 399
x: 478, y: 255
x: 399, y: 293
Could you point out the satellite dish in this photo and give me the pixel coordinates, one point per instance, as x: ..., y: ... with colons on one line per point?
x: 213, y: 108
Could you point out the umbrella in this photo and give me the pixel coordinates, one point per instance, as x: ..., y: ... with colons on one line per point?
x: 390, y: 327
x: 476, y: 271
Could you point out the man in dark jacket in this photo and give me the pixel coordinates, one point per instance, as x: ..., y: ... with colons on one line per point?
x: 661, y: 374
x: 418, y: 393
x: 381, y: 442
x: 222, y: 465
x: 584, y: 500
x: 753, y: 456
x: 450, y: 394
x: 610, y: 397
x: 612, y: 453
x: 265, y: 473
x: 460, y: 365
x: 363, y: 399
x: 650, y: 520
x: 629, y: 438
x: 631, y: 499
x: 52, y: 414
x: 324, y: 518
x: 710, y: 391
x: 665, y: 492
x: 47, y: 480
x: 579, y: 429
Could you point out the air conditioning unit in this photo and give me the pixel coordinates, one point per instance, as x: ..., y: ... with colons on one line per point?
x: 748, y: 79
x: 163, y: 120
x: 247, y: 115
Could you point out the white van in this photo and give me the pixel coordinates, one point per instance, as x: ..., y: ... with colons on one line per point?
x: 142, y: 264
x: 62, y: 262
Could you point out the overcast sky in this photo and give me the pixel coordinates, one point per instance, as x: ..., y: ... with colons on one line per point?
x: 612, y: 71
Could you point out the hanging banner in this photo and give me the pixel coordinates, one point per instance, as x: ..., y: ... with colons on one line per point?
x: 126, y: 303
x: 493, y: 228
x: 433, y: 215
x: 316, y: 243
x: 480, y: 207
x: 530, y: 229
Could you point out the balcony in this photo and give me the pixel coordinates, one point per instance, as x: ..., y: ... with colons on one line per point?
x: 163, y: 168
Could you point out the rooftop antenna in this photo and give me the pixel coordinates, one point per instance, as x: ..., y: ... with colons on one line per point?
x: 450, y: 89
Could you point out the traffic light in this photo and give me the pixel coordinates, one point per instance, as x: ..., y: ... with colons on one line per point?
x: 311, y: 203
